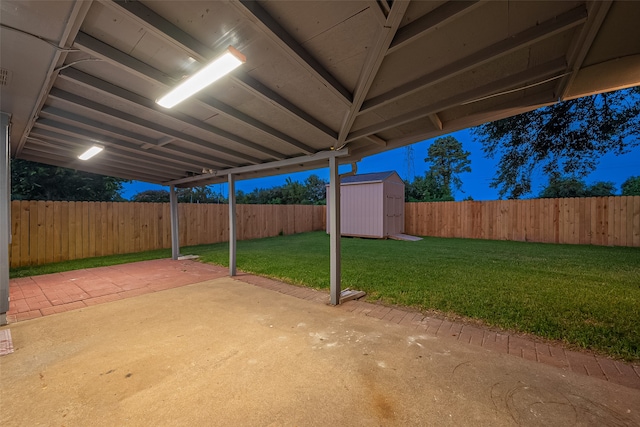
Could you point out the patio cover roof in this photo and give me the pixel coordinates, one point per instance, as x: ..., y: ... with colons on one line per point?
x: 368, y: 76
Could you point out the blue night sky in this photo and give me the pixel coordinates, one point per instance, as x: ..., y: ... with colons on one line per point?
x: 475, y: 184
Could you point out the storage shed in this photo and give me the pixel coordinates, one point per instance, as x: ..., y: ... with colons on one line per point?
x: 371, y: 205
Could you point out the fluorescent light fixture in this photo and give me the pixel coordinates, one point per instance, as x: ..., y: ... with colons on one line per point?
x: 91, y: 152
x: 218, y: 68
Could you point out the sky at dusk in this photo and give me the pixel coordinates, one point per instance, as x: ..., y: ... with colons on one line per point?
x: 475, y: 184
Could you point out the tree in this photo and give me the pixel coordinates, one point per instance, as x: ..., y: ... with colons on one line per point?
x: 316, y: 190
x: 563, y: 187
x: 601, y: 189
x: 36, y: 181
x: 448, y: 160
x: 202, y: 194
x: 631, y: 187
x: 566, y: 138
x: 427, y: 188
x: 312, y: 192
x: 559, y: 187
x: 151, y: 196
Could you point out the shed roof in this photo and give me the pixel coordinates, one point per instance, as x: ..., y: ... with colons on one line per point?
x: 366, y: 75
x: 369, y: 177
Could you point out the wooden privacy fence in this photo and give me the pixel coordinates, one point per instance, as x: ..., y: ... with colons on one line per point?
x: 611, y: 221
x: 46, y: 231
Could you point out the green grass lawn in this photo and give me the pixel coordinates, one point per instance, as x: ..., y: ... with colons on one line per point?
x: 587, y: 296
x: 78, y: 264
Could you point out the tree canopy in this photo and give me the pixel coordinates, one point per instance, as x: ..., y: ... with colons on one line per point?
x: 567, y: 138
x: 559, y: 186
x: 202, y: 194
x: 631, y: 187
x: 311, y: 192
x: 427, y: 188
x: 36, y: 181
x: 447, y: 161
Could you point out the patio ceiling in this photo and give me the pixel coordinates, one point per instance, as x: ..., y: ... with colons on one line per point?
x: 320, y: 75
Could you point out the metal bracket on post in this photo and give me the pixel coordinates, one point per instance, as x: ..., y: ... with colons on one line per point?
x: 334, y: 230
x: 175, y: 230
x: 232, y: 225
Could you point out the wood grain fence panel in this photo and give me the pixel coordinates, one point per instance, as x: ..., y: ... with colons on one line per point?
x: 64, y: 231
x: 96, y: 229
x: 15, y: 248
x: 593, y: 216
x: 25, y: 232
x: 571, y: 220
x: 581, y: 227
x: 103, y: 242
x: 636, y: 221
x: 82, y: 240
x: 49, y: 220
x: 610, y: 204
x: 596, y: 220
x: 622, y: 220
x: 629, y: 219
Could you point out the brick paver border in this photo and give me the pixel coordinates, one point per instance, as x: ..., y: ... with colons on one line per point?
x: 582, y: 363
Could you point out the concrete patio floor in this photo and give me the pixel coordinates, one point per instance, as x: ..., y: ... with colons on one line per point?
x: 230, y: 352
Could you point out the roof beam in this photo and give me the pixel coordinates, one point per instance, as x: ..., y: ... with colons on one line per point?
x: 377, y: 9
x: 270, y: 27
x: 435, y: 119
x: 540, y: 72
x: 98, y: 125
x: 266, y: 94
x: 114, y: 91
x: 123, y: 156
x: 46, y: 147
x: 76, y: 17
x: 127, y: 146
x: 582, y: 44
x: 65, y: 162
x: 322, y: 155
x: 170, y: 134
x: 429, y: 22
x: 372, y: 64
x: 130, y: 64
x: 525, y: 38
x: 507, y: 109
x: 174, y: 35
x: 125, y: 134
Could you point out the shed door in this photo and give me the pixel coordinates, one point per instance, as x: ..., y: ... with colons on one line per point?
x: 389, y: 219
x: 393, y: 218
x: 398, y: 218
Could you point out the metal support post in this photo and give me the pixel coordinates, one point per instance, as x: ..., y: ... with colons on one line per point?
x: 5, y: 216
x: 232, y: 225
x: 334, y: 229
x: 175, y: 231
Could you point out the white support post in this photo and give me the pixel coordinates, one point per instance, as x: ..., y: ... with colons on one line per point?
x: 334, y: 229
x: 232, y: 225
x: 5, y: 215
x: 175, y: 230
